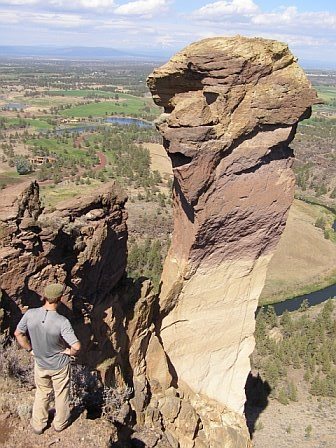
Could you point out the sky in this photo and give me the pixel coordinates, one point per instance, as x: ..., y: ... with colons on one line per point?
x: 309, y: 27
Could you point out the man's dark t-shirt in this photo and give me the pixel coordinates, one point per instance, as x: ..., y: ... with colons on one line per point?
x: 48, y: 333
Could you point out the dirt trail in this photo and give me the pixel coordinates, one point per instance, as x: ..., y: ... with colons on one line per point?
x: 83, y: 433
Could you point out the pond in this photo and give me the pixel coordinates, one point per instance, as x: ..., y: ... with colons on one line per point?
x: 128, y: 121
x: 76, y: 129
x: 14, y: 106
x: 123, y: 121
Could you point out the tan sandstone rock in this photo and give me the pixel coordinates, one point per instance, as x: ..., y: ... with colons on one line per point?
x: 231, y: 107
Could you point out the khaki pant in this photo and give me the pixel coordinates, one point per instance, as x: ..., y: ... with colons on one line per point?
x: 47, y: 381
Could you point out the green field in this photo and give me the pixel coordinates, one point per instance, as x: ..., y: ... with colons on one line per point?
x: 84, y: 93
x: 326, y: 93
x: 34, y: 122
x: 9, y: 178
x: 48, y: 101
x: 52, y: 195
x: 130, y: 105
x: 59, y: 147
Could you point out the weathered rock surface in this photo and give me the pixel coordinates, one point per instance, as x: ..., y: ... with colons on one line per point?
x: 231, y: 107
x: 81, y: 243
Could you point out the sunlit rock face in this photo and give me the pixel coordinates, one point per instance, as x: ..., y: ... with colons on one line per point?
x: 231, y: 107
x: 81, y: 243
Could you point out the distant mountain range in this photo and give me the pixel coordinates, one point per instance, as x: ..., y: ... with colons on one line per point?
x: 80, y: 53
x: 105, y: 53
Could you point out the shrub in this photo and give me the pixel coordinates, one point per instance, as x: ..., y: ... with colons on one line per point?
x: 15, y: 363
x: 282, y: 397
x: 115, y: 407
x: 86, y: 390
x: 24, y: 411
x: 23, y: 166
x: 321, y: 222
x: 308, y: 431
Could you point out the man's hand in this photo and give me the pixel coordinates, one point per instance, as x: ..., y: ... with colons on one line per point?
x: 73, y: 350
x: 22, y: 340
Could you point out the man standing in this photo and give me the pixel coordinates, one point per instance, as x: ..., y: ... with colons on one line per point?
x: 49, y: 333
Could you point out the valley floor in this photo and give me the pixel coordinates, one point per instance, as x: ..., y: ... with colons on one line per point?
x: 304, y: 260
x: 281, y: 426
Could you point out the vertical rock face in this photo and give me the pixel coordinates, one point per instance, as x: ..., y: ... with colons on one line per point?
x: 82, y: 244
x: 231, y: 107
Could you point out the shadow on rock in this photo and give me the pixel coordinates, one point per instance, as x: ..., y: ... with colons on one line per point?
x: 125, y: 439
x: 257, y: 393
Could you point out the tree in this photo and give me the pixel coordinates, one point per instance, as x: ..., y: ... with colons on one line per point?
x: 304, y: 305
x: 308, y: 431
x: 321, y: 222
x: 23, y: 166
x: 292, y: 391
x: 282, y: 397
x: 271, y: 317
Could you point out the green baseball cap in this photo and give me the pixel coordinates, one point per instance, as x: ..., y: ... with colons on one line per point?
x: 53, y: 291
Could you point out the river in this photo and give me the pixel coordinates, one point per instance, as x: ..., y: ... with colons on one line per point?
x: 314, y: 298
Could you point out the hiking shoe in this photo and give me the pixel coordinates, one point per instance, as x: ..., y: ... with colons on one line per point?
x: 62, y: 429
x: 37, y: 431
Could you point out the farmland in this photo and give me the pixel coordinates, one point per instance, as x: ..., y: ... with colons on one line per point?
x: 60, y: 117
x: 127, y: 106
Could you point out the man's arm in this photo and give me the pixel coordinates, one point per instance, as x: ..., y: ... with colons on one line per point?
x: 70, y: 338
x: 23, y: 341
x: 73, y: 350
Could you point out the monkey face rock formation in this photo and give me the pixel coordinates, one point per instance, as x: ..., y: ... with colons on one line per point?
x: 231, y: 107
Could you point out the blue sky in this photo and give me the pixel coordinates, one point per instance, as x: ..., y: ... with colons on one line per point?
x: 309, y: 27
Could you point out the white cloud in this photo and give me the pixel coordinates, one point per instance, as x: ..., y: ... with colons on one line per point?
x: 62, y: 3
x: 142, y: 7
x: 8, y: 17
x: 90, y: 4
x: 292, y: 17
x: 19, y: 2
x: 48, y: 19
x: 155, y: 23
x: 248, y: 13
x: 218, y: 10
x: 60, y: 20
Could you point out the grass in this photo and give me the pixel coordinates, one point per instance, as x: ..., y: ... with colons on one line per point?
x: 47, y: 101
x: 34, y: 122
x: 129, y: 106
x: 326, y: 93
x: 304, y: 260
x: 38, y: 124
x: 291, y: 293
x: 84, y: 93
x: 10, y: 178
x: 59, y: 147
x: 52, y: 195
